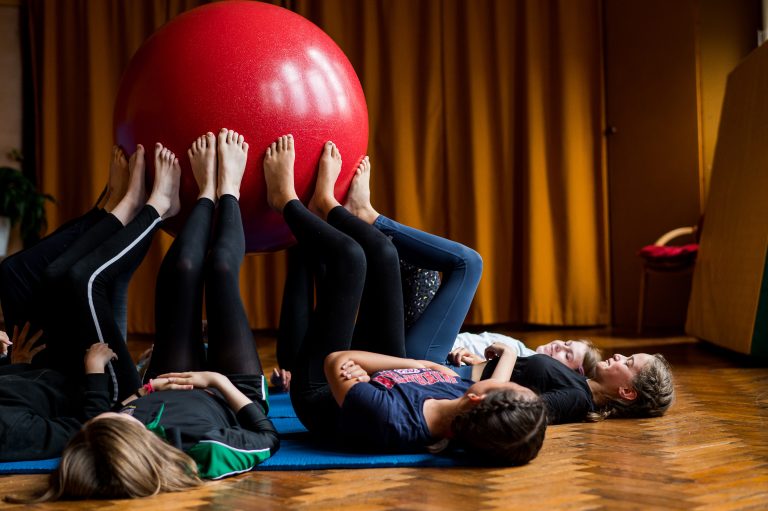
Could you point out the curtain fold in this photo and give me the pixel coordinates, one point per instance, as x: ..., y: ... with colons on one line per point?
x: 486, y: 127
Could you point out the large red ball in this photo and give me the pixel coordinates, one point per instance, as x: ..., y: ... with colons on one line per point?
x: 258, y: 69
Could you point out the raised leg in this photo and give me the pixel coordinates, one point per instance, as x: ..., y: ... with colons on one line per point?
x: 432, y: 335
x: 179, y: 290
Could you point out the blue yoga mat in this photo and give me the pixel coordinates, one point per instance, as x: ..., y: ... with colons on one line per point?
x: 297, y: 450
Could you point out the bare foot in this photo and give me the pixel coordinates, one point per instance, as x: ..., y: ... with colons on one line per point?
x: 323, y: 199
x: 136, y: 192
x: 233, y: 153
x: 278, y: 172
x: 359, y: 196
x: 165, y: 192
x: 202, y: 157
x: 118, y: 178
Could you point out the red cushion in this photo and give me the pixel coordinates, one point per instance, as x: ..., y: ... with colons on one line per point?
x: 669, y: 254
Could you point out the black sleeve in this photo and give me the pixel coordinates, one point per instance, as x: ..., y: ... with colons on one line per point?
x: 33, y: 437
x: 252, y: 418
x: 96, y: 399
x: 565, y: 405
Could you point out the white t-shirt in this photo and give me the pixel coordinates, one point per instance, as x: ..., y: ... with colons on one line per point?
x: 476, y: 343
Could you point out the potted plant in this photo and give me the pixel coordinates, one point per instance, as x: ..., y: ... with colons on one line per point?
x: 21, y: 203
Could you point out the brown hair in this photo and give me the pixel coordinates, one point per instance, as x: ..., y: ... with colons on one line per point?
x: 503, y: 427
x: 655, y: 394
x: 114, y: 458
x: 592, y: 356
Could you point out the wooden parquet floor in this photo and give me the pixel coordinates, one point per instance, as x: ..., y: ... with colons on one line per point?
x: 709, y: 452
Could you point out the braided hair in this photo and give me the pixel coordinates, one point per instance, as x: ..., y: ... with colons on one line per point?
x: 655, y: 394
x: 503, y: 427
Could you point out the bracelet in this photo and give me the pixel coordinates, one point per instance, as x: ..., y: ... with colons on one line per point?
x: 148, y: 387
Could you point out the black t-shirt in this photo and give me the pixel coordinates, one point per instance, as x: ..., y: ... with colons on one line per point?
x: 565, y: 393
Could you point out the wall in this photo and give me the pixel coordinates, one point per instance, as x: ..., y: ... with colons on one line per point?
x: 10, y: 85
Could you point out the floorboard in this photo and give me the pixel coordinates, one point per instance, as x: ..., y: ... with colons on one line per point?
x: 709, y: 452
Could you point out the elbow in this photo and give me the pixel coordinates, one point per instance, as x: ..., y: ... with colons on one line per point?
x: 334, y: 361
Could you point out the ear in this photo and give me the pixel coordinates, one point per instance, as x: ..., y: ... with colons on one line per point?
x: 627, y: 393
x: 474, y: 399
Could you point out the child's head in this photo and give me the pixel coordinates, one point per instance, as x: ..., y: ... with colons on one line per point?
x: 640, y: 386
x: 580, y: 355
x: 504, y: 426
x: 115, y: 456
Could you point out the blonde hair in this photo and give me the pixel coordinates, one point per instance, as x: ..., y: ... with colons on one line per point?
x: 114, y: 458
x: 592, y: 356
x: 655, y: 394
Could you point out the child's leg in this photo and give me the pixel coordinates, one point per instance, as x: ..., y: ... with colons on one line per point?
x: 231, y: 346
x: 296, y: 308
x: 179, y: 297
x: 90, y: 279
x: 380, y: 324
x: 22, y: 273
x: 339, y: 288
x: 179, y: 290
x: 431, y: 337
x: 90, y: 282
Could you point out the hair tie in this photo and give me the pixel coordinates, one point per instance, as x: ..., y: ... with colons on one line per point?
x: 148, y: 387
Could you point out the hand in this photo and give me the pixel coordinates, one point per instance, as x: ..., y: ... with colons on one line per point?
x: 351, y: 370
x: 4, y: 343
x: 281, y: 379
x: 188, y: 380
x: 495, y: 350
x: 24, y: 349
x: 97, y: 356
x: 461, y: 356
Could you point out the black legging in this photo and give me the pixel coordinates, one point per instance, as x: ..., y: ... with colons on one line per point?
x: 78, y: 299
x: 344, y: 278
x: 21, y: 276
x: 184, y: 273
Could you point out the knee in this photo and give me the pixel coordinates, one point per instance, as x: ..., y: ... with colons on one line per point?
x: 468, y: 260
x: 381, y: 252
x: 76, y: 277
x: 221, y: 265
x: 347, y: 258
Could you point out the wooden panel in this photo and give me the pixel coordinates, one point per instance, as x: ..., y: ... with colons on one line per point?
x: 732, y: 256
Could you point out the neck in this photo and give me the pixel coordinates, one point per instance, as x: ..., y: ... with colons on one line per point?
x: 439, y: 415
x: 598, y: 394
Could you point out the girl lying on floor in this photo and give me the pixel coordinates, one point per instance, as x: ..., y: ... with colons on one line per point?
x: 194, y: 418
x: 378, y: 399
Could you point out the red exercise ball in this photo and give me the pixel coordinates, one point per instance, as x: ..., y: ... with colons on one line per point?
x: 258, y: 69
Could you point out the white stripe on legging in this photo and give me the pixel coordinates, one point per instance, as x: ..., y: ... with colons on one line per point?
x: 90, y: 297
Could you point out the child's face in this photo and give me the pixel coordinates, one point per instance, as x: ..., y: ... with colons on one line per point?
x: 570, y: 353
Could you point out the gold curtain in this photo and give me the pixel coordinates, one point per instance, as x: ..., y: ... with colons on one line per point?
x: 485, y: 127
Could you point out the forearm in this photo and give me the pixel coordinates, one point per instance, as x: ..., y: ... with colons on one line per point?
x: 372, y: 362
x: 503, y: 370
x: 236, y: 399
